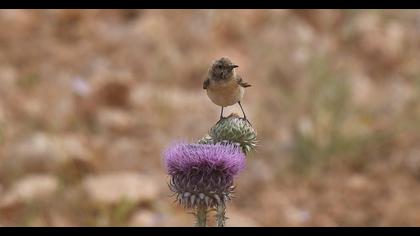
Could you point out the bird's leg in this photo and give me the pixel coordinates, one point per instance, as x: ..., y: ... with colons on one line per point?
x: 221, y: 116
x: 221, y: 113
x: 243, y: 112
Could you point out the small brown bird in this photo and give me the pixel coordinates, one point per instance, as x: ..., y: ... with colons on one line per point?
x: 224, y: 87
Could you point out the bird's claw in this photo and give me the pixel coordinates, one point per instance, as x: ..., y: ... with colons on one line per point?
x: 244, y: 118
x: 221, y: 118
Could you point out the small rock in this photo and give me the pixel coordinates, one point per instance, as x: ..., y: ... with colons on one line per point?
x: 36, y: 146
x: 80, y: 87
x: 58, y: 220
x: 412, y: 162
x: 2, y: 115
x: 358, y: 182
x: 177, y: 219
x: 30, y: 188
x: 362, y: 90
x: 239, y: 220
x: 126, y: 148
x: 141, y: 95
x: 116, y: 187
x: 115, y: 120
x: 145, y: 218
x: 72, y: 147
x: 8, y: 76
x: 50, y: 150
x: 306, y: 126
x: 296, y: 216
x: 262, y: 171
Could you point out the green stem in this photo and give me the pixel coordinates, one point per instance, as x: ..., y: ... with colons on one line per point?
x: 221, y: 215
x: 201, y: 216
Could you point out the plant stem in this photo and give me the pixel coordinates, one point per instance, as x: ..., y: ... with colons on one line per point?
x: 221, y: 215
x: 201, y: 216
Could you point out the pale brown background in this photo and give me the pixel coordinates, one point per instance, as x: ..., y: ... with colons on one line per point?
x: 90, y: 98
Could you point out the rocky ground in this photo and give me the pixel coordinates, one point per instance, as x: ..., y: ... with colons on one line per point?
x: 89, y: 99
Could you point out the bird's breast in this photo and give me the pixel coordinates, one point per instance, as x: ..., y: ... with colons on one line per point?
x: 225, y: 94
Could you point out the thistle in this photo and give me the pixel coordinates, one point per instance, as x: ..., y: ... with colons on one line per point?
x: 202, y: 176
x: 232, y: 129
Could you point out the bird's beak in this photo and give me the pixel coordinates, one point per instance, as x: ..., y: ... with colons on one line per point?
x: 234, y: 66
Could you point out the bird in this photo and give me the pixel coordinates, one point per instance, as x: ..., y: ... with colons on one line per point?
x: 224, y: 87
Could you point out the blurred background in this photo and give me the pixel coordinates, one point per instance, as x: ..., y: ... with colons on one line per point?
x: 90, y: 98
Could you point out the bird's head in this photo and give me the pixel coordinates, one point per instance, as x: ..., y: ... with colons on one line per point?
x: 222, y: 69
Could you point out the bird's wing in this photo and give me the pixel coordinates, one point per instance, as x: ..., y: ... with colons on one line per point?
x: 206, y: 83
x: 242, y: 83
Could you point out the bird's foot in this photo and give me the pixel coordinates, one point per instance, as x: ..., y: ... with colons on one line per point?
x: 220, y: 119
x: 244, y: 118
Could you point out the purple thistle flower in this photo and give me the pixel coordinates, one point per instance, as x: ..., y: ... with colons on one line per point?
x: 202, y: 174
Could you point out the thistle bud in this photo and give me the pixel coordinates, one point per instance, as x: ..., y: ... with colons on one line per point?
x: 233, y: 129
